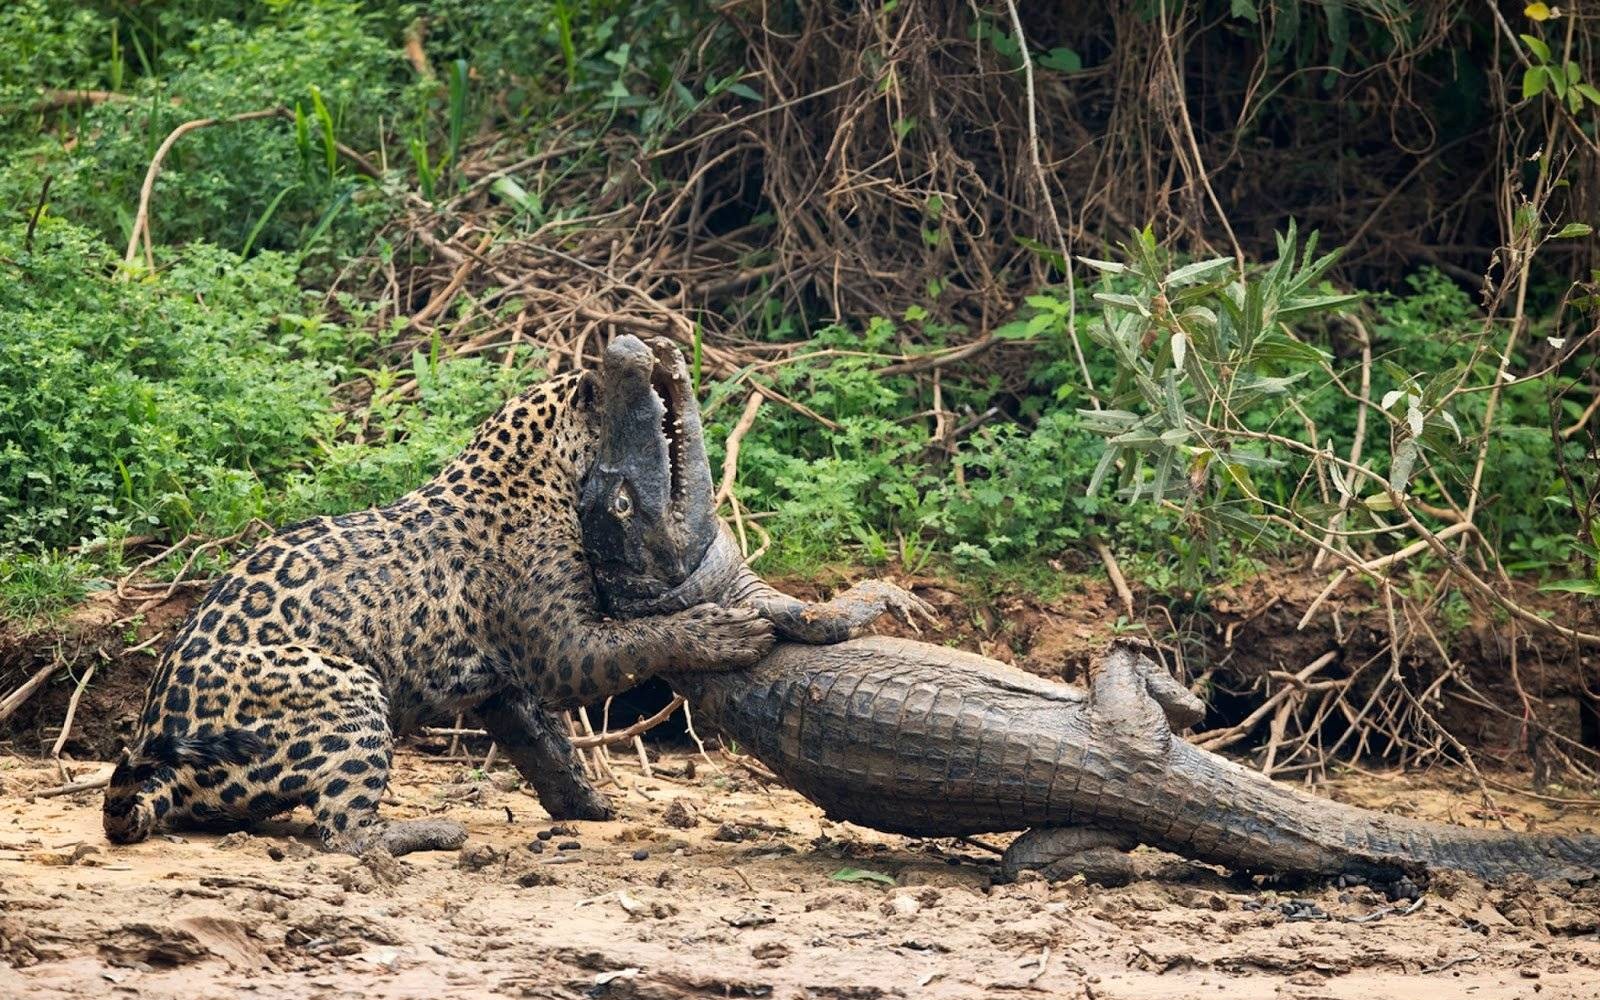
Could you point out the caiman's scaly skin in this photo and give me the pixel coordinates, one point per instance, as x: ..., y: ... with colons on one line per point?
x: 929, y: 741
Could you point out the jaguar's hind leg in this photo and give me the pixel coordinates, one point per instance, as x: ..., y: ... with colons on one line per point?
x: 349, y: 784
x: 345, y: 759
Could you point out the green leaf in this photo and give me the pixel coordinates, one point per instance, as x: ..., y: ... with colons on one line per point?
x: 1588, y: 92
x: 255, y: 230
x: 1123, y: 301
x: 1573, y: 230
x: 1062, y: 60
x: 507, y: 189
x: 1054, y: 257
x: 1200, y: 270
x: 329, y: 147
x: 1590, y: 587
x: 1315, y: 303
x: 1107, y: 459
x: 1104, y: 266
x: 1537, y: 46
x: 1040, y: 323
x: 750, y: 95
x: 861, y: 875
x: 1533, y: 81
x: 1015, y: 330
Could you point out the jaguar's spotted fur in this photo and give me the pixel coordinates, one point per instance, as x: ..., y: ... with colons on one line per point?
x: 288, y: 682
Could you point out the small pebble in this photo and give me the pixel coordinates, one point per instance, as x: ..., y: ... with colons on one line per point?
x: 568, y: 845
x: 537, y: 847
x: 545, y: 834
x: 641, y: 854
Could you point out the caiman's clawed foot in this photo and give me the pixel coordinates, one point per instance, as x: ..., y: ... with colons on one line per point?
x: 1130, y: 688
x: 1059, y: 853
x: 844, y: 617
x: 881, y: 596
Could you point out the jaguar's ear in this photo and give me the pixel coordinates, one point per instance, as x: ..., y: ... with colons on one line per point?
x: 586, y: 397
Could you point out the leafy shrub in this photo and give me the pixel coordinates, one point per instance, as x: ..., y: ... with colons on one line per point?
x: 217, y: 183
x: 120, y: 402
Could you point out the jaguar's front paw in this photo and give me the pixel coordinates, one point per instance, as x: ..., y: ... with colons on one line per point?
x: 590, y: 805
x: 726, y: 638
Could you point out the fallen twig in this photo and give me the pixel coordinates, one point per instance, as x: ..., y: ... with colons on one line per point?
x: 1233, y: 734
x: 602, y: 739
x: 14, y: 700
x: 86, y: 785
x: 1118, y: 581
x: 141, y: 218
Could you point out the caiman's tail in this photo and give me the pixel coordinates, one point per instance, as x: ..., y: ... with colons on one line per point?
x: 141, y: 789
x: 1169, y: 793
x: 1242, y: 819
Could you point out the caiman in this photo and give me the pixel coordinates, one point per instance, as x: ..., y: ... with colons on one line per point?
x: 911, y: 738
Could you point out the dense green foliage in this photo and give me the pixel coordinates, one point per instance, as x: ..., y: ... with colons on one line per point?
x: 217, y: 389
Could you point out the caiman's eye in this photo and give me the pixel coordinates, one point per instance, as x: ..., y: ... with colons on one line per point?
x: 622, y: 504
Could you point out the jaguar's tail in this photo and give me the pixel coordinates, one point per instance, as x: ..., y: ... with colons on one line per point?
x: 140, y: 793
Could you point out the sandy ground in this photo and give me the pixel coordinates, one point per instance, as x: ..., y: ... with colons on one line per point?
x: 710, y: 885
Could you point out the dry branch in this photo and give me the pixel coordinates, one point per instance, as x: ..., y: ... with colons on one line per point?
x: 730, y: 460
x: 14, y: 700
x: 141, y: 218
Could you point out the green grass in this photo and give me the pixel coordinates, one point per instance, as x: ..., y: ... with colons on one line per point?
x: 35, y: 589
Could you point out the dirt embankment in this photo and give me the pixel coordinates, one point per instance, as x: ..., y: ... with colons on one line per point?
x: 712, y: 886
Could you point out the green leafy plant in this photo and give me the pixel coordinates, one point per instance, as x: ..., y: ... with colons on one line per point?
x: 861, y: 875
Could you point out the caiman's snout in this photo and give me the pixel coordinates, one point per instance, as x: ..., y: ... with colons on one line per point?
x: 646, y: 504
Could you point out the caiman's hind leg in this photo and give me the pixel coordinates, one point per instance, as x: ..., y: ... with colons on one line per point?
x: 1133, y: 707
x: 536, y: 743
x: 1060, y: 852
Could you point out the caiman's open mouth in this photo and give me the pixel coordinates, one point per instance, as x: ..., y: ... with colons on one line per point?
x: 669, y: 390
